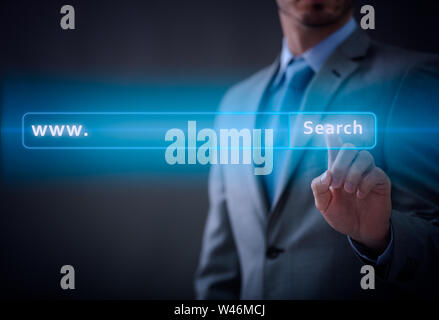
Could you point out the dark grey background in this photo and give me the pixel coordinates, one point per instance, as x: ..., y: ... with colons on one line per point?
x: 130, y: 237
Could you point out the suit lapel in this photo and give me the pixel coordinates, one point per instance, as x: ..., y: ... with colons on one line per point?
x: 253, y: 184
x: 321, y: 90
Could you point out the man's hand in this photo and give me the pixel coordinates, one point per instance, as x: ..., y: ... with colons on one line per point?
x: 353, y: 196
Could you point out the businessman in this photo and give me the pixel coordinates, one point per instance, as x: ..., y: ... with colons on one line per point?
x: 305, y: 230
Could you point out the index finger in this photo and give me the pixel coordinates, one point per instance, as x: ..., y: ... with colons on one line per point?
x: 333, y: 144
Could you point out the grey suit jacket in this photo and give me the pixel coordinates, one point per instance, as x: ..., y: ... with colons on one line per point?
x: 288, y: 251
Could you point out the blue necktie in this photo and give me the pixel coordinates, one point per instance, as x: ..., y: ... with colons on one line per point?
x: 286, y: 96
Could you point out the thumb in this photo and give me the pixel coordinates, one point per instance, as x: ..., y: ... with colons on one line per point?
x: 320, y: 189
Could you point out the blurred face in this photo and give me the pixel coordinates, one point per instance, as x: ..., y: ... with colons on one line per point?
x: 315, y: 13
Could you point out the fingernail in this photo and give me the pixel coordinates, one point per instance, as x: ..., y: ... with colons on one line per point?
x: 349, y: 187
x: 360, y: 194
x: 336, y: 183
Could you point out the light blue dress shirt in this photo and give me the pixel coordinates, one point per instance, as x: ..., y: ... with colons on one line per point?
x: 316, y: 57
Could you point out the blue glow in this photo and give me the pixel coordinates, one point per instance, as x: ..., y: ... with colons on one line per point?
x: 146, y: 130
x: 34, y: 94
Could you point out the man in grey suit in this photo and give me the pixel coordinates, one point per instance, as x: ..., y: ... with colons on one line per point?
x: 306, y: 230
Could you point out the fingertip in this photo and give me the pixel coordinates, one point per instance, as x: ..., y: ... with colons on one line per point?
x: 336, y: 184
x: 360, y: 194
x: 336, y: 181
x: 349, y: 187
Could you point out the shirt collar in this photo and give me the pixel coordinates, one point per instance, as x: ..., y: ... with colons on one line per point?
x: 317, y: 55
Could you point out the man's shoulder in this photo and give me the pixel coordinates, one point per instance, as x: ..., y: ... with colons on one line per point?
x: 389, y: 58
x: 417, y: 74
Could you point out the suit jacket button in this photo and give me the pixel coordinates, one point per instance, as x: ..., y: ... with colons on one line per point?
x: 273, y: 252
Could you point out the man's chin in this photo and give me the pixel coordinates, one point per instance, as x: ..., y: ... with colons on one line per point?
x: 316, y: 21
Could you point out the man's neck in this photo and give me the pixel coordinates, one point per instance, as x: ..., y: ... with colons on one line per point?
x: 300, y: 38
